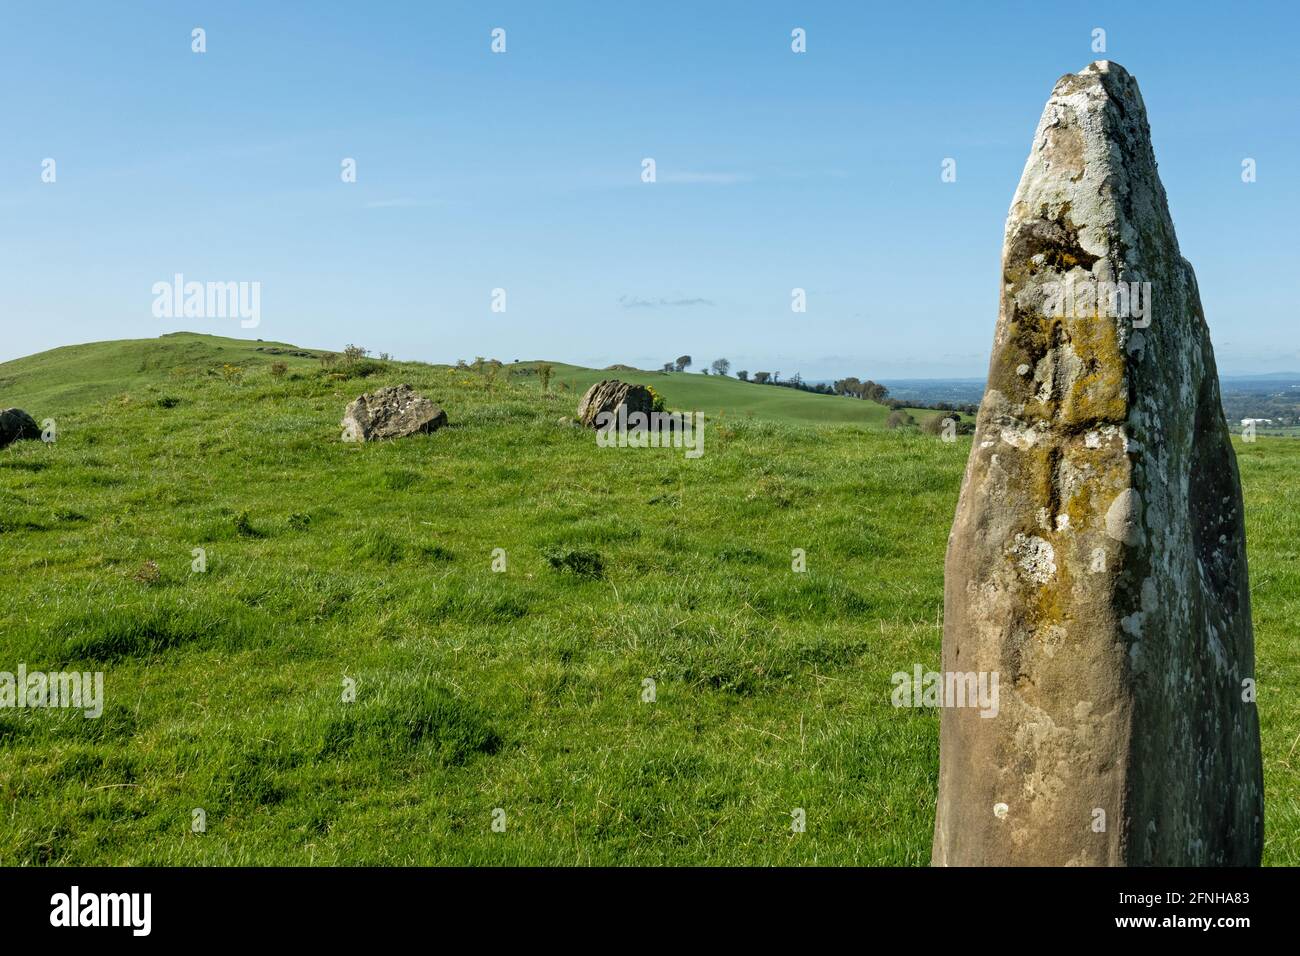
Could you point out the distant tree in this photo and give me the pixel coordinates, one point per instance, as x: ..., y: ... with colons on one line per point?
x: 848, y: 386
x: 385, y: 357
x: 796, y: 379
x: 762, y: 378
x: 704, y: 371
x: 328, y: 358
x: 743, y: 375
x: 721, y: 366
x: 873, y: 392
x: 668, y: 366
x: 683, y: 363
x: 353, y: 354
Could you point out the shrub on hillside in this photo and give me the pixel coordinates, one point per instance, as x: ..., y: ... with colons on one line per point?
x: 899, y: 419
x: 361, y: 369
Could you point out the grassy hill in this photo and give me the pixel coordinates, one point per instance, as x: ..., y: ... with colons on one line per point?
x: 69, y: 376
x: 477, y: 690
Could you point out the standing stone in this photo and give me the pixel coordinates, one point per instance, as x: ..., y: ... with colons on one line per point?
x: 607, y: 395
x: 394, y: 411
x: 1097, y: 562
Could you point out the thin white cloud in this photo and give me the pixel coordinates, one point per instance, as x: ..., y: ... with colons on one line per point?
x: 637, y: 302
x: 688, y: 177
x: 402, y: 203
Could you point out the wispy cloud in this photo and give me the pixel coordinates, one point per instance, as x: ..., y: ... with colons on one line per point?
x: 689, y: 177
x: 402, y: 203
x: 636, y: 302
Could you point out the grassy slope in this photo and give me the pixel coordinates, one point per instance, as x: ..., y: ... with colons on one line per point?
x: 67, y: 378
x: 478, y: 690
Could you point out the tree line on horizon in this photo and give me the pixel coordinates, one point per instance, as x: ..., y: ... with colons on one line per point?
x: 851, y: 386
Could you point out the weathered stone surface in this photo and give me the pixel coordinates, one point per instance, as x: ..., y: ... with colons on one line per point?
x: 608, y: 395
x: 17, y: 425
x: 1097, y: 561
x: 391, y: 412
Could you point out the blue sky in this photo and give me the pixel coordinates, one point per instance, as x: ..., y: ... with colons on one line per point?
x: 522, y: 171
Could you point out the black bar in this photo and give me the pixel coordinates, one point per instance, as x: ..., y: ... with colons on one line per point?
x: 333, y: 905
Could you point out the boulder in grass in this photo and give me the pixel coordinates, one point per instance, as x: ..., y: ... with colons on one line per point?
x: 608, y: 395
x: 17, y: 425
x: 394, y: 411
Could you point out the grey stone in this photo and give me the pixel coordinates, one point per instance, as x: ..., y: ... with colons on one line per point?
x: 391, y: 412
x: 1097, y: 561
x: 17, y: 425
x: 607, y: 395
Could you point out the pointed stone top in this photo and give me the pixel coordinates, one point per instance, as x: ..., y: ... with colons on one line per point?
x: 1106, y: 74
x: 1092, y: 161
x: 1104, y: 66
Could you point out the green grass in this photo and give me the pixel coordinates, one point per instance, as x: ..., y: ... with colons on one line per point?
x: 478, y: 690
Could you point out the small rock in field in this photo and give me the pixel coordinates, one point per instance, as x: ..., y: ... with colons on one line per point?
x: 391, y: 412
x: 608, y: 395
x: 17, y: 425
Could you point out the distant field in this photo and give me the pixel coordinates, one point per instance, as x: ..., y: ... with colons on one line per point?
x: 477, y: 691
x: 728, y: 398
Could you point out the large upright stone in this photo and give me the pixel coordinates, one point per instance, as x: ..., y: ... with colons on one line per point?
x: 1097, y: 562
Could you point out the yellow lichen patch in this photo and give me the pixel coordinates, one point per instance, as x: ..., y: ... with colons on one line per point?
x: 1030, y: 337
x: 1110, y: 474
x: 1099, y: 394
